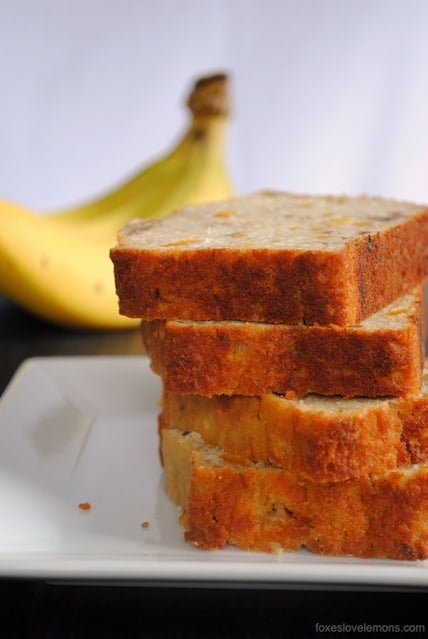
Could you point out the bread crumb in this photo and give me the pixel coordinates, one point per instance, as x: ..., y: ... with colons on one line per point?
x: 145, y: 524
x: 85, y: 505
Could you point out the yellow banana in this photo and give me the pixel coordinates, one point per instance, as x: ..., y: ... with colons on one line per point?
x: 55, y: 274
x: 57, y: 265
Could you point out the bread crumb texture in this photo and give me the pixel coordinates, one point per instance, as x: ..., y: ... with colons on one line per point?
x: 271, y: 220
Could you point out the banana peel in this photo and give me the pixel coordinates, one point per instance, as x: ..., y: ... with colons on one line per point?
x: 57, y: 265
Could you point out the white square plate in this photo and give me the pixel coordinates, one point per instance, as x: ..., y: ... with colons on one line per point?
x: 84, y: 429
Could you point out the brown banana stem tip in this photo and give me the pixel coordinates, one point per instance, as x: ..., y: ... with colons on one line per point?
x: 210, y: 95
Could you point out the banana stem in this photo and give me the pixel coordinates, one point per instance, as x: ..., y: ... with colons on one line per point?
x: 210, y: 96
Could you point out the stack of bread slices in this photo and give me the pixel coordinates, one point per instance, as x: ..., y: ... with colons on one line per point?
x: 288, y: 331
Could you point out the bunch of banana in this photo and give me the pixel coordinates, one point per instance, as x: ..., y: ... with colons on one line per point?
x: 57, y: 265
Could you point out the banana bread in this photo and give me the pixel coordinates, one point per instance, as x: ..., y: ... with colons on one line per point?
x: 272, y: 257
x: 381, y: 356
x: 228, y: 500
x: 322, y: 438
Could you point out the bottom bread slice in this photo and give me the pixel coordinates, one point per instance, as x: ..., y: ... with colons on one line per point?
x: 228, y: 500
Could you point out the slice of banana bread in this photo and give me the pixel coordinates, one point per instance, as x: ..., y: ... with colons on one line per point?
x: 228, y: 500
x: 381, y: 356
x: 321, y: 438
x: 272, y: 257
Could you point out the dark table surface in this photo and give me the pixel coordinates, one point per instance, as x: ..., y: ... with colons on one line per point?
x: 34, y: 608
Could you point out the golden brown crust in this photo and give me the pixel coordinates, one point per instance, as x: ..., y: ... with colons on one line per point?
x: 324, y: 442
x: 263, y: 508
x: 216, y: 358
x: 274, y: 285
x: 218, y: 284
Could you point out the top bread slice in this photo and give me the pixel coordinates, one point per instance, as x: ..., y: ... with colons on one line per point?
x: 272, y: 257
